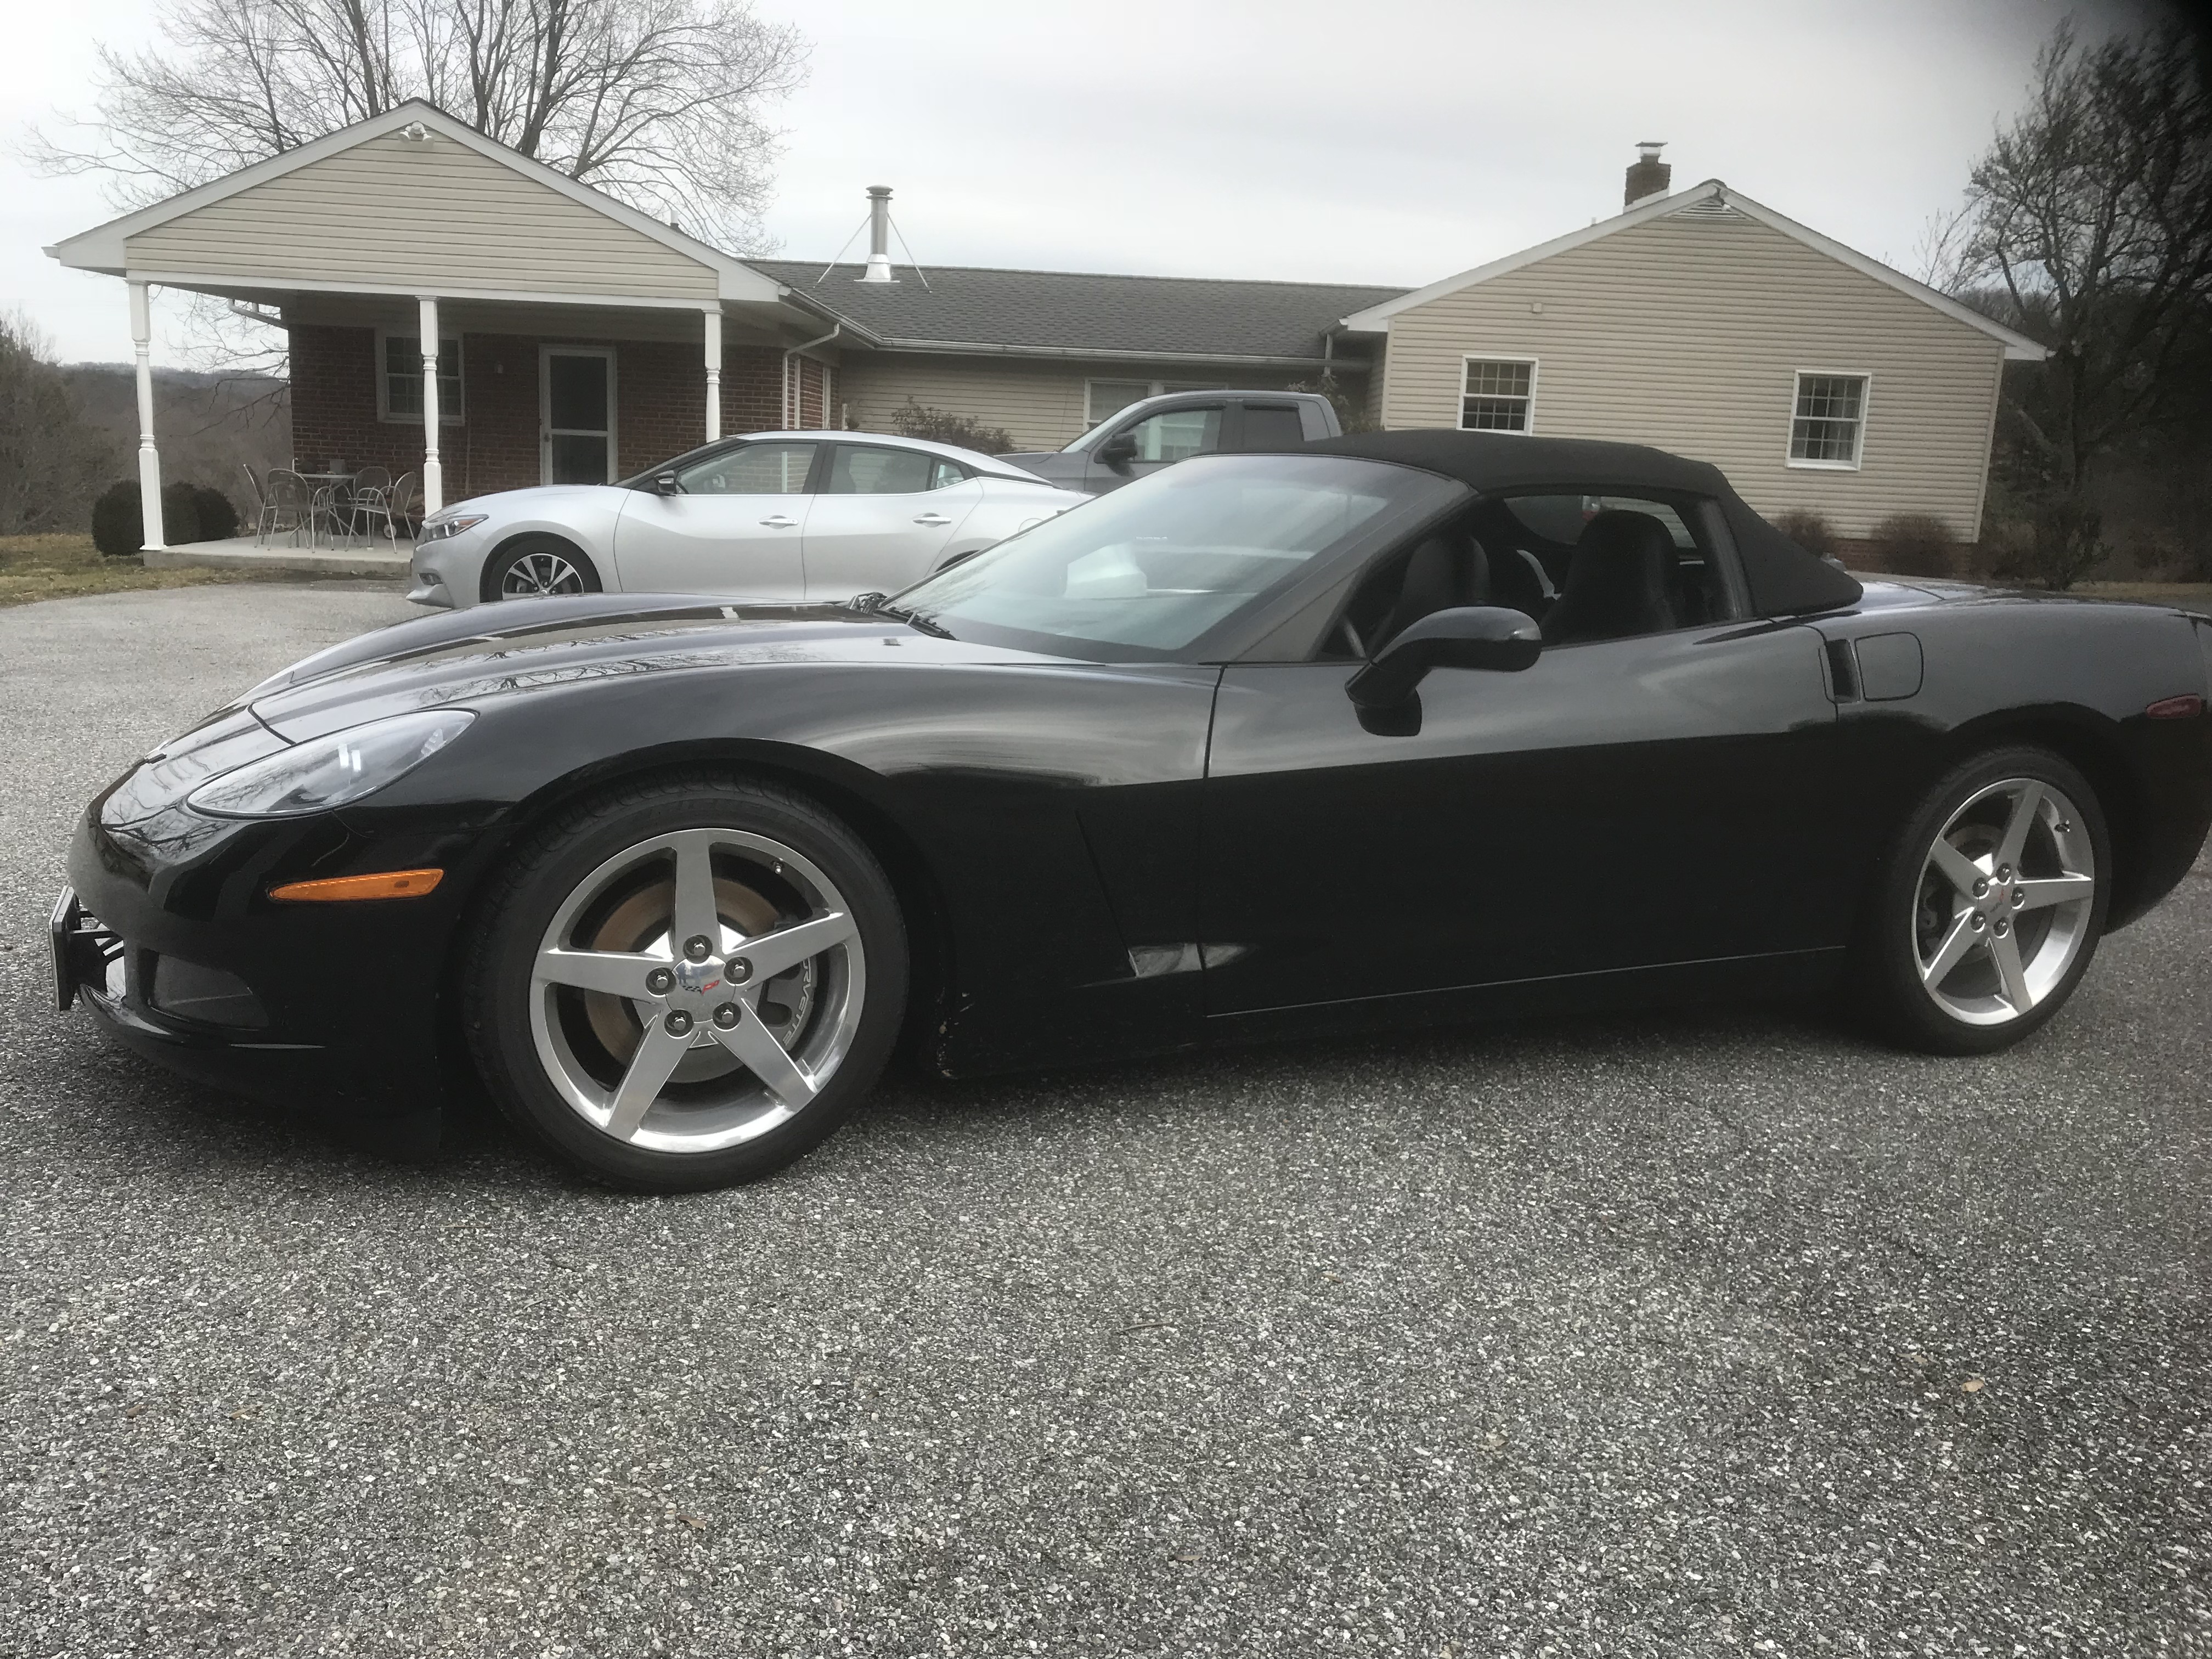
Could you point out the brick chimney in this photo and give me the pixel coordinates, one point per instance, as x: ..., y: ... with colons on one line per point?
x: 1650, y: 177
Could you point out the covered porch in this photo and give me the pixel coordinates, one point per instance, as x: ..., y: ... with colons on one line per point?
x: 461, y: 312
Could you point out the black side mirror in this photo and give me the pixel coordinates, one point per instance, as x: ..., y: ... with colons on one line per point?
x: 1118, y: 452
x: 664, y: 483
x: 1468, y: 636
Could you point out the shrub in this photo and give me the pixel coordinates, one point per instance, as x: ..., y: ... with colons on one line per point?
x: 2060, y: 542
x: 116, y: 531
x: 190, y: 512
x: 218, y: 515
x: 1913, y: 545
x: 942, y: 426
x: 1809, y: 530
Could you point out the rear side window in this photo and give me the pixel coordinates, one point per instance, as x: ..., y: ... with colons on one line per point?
x: 1272, y: 426
x: 864, y: 469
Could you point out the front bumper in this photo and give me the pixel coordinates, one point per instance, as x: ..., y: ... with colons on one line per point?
x: 428, y: 590
x: 331, y: 1011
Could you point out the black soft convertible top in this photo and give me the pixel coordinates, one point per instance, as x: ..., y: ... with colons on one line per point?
x: 1785, y: 580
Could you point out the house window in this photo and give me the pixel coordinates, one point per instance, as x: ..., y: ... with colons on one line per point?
x: 1828, y: 422
x: 399, y: 381
x: 1104, y: 399
x: 1498, y: 395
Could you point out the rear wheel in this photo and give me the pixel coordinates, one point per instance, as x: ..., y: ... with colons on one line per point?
x: 535, y: 567
x: 1991, y: 904
x: 688, y: 983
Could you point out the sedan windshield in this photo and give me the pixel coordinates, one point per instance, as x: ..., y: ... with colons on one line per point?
x: 1164, y: 566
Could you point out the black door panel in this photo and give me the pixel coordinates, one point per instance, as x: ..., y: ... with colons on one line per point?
x: 1621, y: 804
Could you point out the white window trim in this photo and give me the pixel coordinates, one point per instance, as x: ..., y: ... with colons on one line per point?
x: 1459, y: 419
x: 457, y: 416
x: 1858, y: 440
x: 545, y: 354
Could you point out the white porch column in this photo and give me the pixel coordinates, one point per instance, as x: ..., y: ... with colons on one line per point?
x: 714, y: 376
x: 149, y: 458
x: 434, y: 477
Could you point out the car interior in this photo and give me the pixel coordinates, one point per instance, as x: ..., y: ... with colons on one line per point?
x: 1585, y: 566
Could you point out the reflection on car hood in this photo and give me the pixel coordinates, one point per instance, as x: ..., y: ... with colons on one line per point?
x: 534, y: 498
x: 453, y: 658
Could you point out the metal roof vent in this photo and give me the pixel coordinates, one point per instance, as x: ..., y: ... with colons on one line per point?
x: 879, y: 235
x: 1648, y: 179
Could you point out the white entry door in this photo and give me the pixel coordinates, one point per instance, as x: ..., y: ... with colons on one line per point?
x: 576, y: 414
x: 734, y: 525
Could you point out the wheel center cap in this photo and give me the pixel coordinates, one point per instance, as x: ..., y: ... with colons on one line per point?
x: 697, y: 979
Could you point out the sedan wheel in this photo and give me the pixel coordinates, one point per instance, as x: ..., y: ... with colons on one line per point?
x: 1993, y: 903
x: 677, y: 1003
x: 537, y: 567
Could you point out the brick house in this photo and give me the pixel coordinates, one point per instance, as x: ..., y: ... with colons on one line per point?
x: 547, y: 333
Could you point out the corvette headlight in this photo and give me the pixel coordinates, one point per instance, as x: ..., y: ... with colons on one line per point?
x: 328, y: 772
x: 436, y: 529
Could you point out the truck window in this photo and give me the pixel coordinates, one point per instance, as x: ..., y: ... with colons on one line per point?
x: 1272, y: 426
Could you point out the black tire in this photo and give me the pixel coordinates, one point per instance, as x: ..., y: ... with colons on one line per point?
x: 520, y: 553
x: 1902, y: 918
x: 555, y: 862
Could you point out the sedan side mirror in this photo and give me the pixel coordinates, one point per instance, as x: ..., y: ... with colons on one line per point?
x: 1468, y: 636
x: 664, y: 483
x: 1118, y: 452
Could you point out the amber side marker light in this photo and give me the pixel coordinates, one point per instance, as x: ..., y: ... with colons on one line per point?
x: 391, y: 884
x: 2176, y: 709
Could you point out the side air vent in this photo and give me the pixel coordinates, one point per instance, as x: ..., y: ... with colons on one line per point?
x: 1842, y: 672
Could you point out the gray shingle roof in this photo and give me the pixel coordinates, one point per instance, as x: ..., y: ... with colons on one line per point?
x: 1178, y: 316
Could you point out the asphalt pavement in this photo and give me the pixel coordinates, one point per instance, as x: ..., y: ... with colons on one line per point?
x: 1719, y: 1333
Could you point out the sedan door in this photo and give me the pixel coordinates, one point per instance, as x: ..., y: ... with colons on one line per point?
x: 734, y: 523
x: 882, y: 517
x: 1666, y: 798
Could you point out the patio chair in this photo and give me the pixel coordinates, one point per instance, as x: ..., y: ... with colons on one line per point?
x: 260, y: 502
x: 402, y: 506
x: 368, y: 500
x: 287, y: 506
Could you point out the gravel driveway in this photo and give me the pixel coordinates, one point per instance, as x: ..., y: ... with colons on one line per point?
x: 1727, y: 1332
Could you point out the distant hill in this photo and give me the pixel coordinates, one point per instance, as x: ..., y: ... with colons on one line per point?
x: 209, y: 426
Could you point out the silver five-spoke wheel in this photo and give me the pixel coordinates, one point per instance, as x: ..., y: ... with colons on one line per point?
x: 2004, y: 902
x: 543, y: 571
x: 697, y: 990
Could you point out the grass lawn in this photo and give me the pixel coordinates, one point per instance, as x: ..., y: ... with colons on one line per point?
x: 57, y: 567
x: 2188, y: 596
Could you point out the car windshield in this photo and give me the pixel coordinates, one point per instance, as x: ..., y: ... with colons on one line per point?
x: 1158, y: 568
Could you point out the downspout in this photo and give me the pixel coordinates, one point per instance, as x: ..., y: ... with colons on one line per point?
x: 790, y: 414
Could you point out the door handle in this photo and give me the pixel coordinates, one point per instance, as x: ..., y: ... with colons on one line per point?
x: 931, y: 519
x: 779, y: 522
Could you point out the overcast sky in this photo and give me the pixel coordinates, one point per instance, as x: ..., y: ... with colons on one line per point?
x: 1384, y: 140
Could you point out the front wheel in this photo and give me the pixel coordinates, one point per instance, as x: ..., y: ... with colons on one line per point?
x: 535, y: 567
x: 687, y: 983
x: 1991, y: 904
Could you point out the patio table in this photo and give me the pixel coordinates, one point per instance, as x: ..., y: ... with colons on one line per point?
x: 328, y: 494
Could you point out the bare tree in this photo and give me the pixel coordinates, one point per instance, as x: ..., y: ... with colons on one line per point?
x: 52, y: 460
x: 2088, y: 225
x: 660, y: 103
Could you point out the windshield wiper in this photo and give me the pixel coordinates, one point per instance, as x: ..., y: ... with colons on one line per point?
x: 876, y: 604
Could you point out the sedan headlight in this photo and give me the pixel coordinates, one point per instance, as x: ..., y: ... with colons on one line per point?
x: 329, y: 772
x: 436, y: 529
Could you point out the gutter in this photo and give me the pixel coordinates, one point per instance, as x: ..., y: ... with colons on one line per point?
x: 956, y: 348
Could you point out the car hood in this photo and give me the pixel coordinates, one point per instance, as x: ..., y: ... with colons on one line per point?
x: 535, y: 500
x: 453, y: 659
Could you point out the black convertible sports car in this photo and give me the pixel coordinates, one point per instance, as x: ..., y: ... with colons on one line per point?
x: 1396, y: 727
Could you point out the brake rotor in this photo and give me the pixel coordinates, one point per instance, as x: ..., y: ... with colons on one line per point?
x: 641, y: 922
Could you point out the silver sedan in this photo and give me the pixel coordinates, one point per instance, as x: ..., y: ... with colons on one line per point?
x: 773, y: 515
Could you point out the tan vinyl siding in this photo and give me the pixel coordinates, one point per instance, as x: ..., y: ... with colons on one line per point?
x: 1687, y: 334
x: 1041, y: 404
x: 435, y: 214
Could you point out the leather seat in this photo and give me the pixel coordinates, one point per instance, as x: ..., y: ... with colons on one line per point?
x: 1621, y: 583
x: 1446, y: 570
